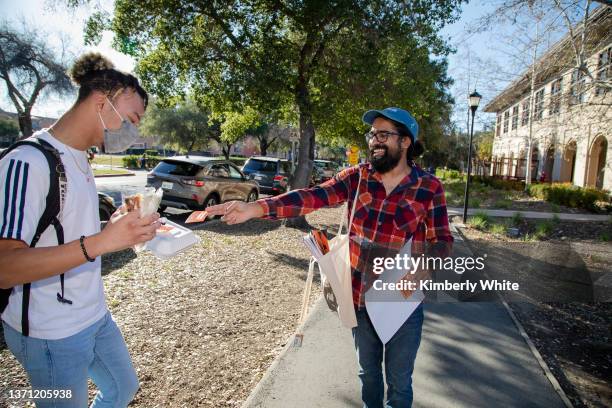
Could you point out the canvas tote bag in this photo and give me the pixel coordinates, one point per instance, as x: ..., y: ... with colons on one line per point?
x: 335, y: 268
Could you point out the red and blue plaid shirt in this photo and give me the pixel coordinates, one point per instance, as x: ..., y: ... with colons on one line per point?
x: 415, y: 208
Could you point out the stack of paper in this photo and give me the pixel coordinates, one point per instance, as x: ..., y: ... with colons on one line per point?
x: 317, y: 243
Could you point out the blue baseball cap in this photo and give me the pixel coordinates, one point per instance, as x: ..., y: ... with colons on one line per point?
x: 399, y: 115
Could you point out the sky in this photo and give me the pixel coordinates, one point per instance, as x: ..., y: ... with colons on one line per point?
x: 474, y: 65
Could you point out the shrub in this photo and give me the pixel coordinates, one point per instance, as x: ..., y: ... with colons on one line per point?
x: 499, y: 229
x: 500, y: 184
x: 569, y: 195
x: 480, y: 221
x: 517, y: 219
x: 474, y: 203
x: 449, y: 174
x: 133, y: 161
x: 543, y: 228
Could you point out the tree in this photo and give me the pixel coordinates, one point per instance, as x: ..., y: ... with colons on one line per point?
x: 29, y: 69
x: 8, y: 127
x: 274, y: 54
x: 185, y: 125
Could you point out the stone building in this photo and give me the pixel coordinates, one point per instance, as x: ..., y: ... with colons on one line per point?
x: 571, y: 114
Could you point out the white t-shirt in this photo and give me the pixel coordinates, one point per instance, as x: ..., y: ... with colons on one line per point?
x: 24, y: 184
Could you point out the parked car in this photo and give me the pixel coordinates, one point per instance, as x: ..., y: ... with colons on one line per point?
x: 271, y: 173
x: 196, y: 182
x: 107, y: 206
x: 327, y: 168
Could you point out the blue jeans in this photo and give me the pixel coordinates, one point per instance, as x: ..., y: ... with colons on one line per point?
x: 399, y: 353
x: 98, y: 351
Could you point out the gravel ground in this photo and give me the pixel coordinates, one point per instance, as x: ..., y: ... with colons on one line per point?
x: 573, y: 337
x: 203, y: 327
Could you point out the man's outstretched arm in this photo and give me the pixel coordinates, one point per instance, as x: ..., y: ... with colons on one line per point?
x: 293, y: 203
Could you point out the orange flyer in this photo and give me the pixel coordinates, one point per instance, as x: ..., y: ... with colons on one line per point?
x: 196, y: 216
x: 321, y: 240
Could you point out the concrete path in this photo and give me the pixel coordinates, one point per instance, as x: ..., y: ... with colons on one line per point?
x: 471, y: 355
x: 452, y: 211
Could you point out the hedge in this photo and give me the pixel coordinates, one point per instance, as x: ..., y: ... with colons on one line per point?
x: 500, y: 184
x: 449, y: 174
x: 569, y: 195
x: 133, y: 161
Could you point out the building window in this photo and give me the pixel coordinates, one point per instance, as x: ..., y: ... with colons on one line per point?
x: 499, y: 121
x: 577, y: 88
x: 538, y: 104
x: 506, y: 118
x: 604, y: 70
x: 515, y: 117
x: 555, y: 97
x: 525, y: 114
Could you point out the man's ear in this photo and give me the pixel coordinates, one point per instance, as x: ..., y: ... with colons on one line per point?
x: 406, y: 142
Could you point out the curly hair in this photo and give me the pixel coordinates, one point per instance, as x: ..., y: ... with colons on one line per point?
x: 417, y: 148
x: 94, y: 72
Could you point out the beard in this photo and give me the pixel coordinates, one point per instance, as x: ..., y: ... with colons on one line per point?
x: 388, y: 161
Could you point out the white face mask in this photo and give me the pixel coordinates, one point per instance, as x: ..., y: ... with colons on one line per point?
x: 119, y: 140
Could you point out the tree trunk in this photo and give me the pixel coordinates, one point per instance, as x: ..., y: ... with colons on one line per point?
x: 25, y: 124
x: 301, y: 177
x: 226, y: 151
x: 263, y: 147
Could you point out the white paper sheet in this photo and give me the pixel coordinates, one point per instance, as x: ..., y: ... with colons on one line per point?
x: 389, y: 309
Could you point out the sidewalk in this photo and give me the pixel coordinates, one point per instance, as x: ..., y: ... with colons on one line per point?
x: 452, y: 211
x: 471, y: 355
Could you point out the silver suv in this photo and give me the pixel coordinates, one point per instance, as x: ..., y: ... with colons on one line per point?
x: 196, y: 182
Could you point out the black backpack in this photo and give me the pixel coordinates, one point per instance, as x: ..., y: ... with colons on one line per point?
x: 49, y: 217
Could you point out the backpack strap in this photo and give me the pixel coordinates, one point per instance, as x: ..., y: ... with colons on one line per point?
x: 55, y: 199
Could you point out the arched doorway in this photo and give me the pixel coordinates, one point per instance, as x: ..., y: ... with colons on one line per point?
x: 535, y: 161
x: 511, y: 166
x: 597, y: 162
x: 569, y: 163
x: 549, y: 162
x: 521, y: 164
x: 494, y: 166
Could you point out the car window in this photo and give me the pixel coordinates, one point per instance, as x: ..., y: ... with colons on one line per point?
x: 260, y: 165
x: 285, y: 167
x: 218, y: 170
x: 177, y: 168
x: 234, y: 172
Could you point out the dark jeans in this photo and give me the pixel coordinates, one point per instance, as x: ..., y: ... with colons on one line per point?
x: 400, y: 353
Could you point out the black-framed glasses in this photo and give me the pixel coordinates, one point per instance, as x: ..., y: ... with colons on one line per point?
x: 380, y: 135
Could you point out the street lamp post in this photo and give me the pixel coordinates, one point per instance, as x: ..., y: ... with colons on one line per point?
x: 474, y: 100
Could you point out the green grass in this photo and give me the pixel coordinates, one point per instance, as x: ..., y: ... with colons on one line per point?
x: 503, y: 204
x: 554, y: 208
x: 517, y: 219
x: 117, y: 160
x: 480, y: 221
x: 544, y: 228
x: 498, y: 228
x: 113, y: 303
x: 102, y: 172
x: 605, y: 236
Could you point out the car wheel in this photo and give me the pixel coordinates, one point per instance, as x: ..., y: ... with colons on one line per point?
x: 252, y: 196
x: 105, y: 212
x: 212, y: 199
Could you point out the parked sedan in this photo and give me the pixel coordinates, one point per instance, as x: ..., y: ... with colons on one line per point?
x: 196, y: 182
x: 271, y: 173
x: 327, y: 168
